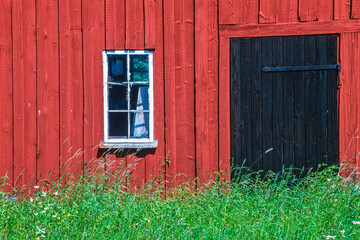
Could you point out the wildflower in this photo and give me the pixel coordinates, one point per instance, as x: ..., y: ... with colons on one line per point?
x: 46, y: 208
x: 11, y: 198
x: 64, y: 212
x: 342, y: 231
x: 148, y: 220
x: 56, y: 193
x: 54, y: 216
x: 330, y: 237
x: 40, y: 230
x: 43, y: 194
x: 36, y: 187
x: 76, y: 212
x: 58, y: 218
x: 36, y: 214
x: 69, y: 215
x: 31, y: 199
x: 356, y: 222
x: 38, y: 238
x: 95, y: 211
x: 44, y: 211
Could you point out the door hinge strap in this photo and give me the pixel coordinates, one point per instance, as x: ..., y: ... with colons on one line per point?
x: 302, y: 68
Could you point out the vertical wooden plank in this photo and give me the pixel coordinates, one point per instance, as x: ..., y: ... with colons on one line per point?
x: 341, y: 9
x: 235, y: 103
x: 6, y: 96
x: 206, y: 89
x: 289, y: 103
x: 93, y: 44
x: 256, y: 105
x: 308, y: 10
x: 278, y: 101
x: 179, y: 85
x: 134, y: 22
x: 224, y: 109
x: 355, y: 9
x: 245, y: 88
x: 349, y: 60
x: 267, y: 102
x: 24, y: 82
x: 315, y: 10
x: 47, y: 89
x: 115, y: 24
x: 332, y: 104
x: 322, y: 78
x: 310, y: 103
x: 154, y: 39
x: 135, y: 39
x: 71, y: 88
x: 287, y: 11
x: 238, y: 11
x: 268, y: 11
x: 299, y: 105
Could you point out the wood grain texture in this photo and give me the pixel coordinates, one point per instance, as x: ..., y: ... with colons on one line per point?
x: 115, y: 24
x: 224, y: 109
x: 134, y: 24
x: 206, y: 88
x: 286, y: 11
x: 268, y: 11
x: 349, y: 60
x: 289, y: 29
x: 238, y: 11
x: 47, y: 89
x: 24, y: 92
x: 342, y: 9
x: 355, y: 9
x: 71, y: 88
x: 154, y: 39
x: 6, y: 96
x: 93, y: 44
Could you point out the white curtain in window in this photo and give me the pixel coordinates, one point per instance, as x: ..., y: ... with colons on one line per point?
x: 140, y: 125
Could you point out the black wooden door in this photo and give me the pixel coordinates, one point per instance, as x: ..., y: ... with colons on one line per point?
x: 284, y: 98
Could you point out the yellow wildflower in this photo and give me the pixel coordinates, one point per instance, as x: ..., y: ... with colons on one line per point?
x: 64, y: 212
x: 76, y: 212
x: 69, y: 214
x: 58, y: 218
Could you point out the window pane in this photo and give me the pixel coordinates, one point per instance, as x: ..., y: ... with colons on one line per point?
x: 139, y: 97
x: 139, y: 125
x: 117, y: 68
x: 139, y: 68
x: 118, y: 125
x: 117, y: 97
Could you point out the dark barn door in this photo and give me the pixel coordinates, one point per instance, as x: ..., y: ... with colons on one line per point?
x: 284, y: 97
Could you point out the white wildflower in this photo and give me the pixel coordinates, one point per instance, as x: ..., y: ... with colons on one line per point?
x: 43, y: 211
x: 31, y: 199
x: 54, y: 216
x: 36, y: 187
x: 56, y: 193
x: 43, y: 194
x: 329, y: 237
x: 356, y: 222
x: 40, y: 230
x: 46, y: 208
x: 328, y: 179
x: 36, y: 214
x: 342, y: 231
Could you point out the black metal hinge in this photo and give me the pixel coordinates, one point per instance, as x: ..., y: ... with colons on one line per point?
x: 301, y: 68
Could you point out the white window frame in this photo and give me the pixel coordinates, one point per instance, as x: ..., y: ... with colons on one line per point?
x: 149, y: 142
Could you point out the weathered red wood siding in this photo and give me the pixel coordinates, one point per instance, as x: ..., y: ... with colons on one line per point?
x: 51, y: 115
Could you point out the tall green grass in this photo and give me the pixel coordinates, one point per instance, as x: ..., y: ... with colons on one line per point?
x: 279, y: 206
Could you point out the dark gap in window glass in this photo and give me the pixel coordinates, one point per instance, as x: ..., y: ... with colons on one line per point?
x: 117, y: 68
x: 117, y: 97
x: 118, y: 125
x: 139, y: 97
x: 139, y: 125
x: 139, y: 68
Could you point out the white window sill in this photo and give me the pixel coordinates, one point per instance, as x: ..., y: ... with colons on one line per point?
x: 139, y: 145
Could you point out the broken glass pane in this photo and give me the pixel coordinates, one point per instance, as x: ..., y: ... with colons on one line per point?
x: 118, y: 124
x: 117, y: 97
x: 117, y: 68
x: 139, y: 125
x: 139, y: 68
x: 139, y: 97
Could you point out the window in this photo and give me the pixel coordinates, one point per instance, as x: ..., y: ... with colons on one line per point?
x: 128, y: 98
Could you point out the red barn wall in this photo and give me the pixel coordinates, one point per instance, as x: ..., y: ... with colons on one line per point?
x: 51, y: 78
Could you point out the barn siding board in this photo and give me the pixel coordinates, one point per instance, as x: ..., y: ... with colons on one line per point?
x: 71, y: 88
x: 6, y: 96
x: 115, y: 24
x: 134, y: 24
x: 342, y: 9
x: 349, y: 60
x: 224, y: 109
x: 355, y: 9
x: 93, y: 43
x: 287, y: 11
x: 238, y: 11
x: 206, y: 88
x: 267, y: 12
x: 24, y: 92
x: 47, y: 89
x: 154, y: 40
